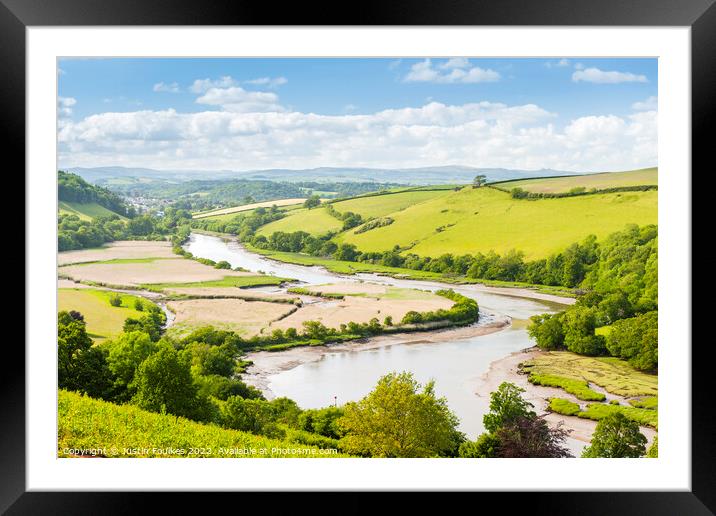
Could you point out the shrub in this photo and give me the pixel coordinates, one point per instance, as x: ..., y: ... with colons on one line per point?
x: 115, y: 299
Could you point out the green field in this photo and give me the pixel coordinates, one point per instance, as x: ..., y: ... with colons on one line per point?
x: 382, y: 205
x: 246, y: 207
x: 316, y: 222
x: 484, y: 219
x: 647, y: 176
x: 103, y: 320
x: 86, y: 423
x: 85, y: 211
x: 227, y: 281
x: 431, y: 222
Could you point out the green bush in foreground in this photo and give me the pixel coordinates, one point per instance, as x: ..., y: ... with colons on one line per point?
x: 85, y: 423
x: 653, y: 451
x: 578, y: 388
x: 616, y: 437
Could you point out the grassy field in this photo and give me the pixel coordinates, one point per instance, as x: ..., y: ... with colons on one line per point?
x: 316, y: 221
x: 647, y: 176
x: 85, y: 211
x: 103, y: 320
x: 247, y: 207
x: 85, y: 423
x: 485, y: 219
x: 228, y: 281
x: 614, y: 375
x: 382, y: 205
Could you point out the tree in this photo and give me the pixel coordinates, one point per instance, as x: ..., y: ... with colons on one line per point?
x: 479, y: 180
x: 547, y: 331
x: 312, y: 202
x: 164, y: 384
x: 115, y: 300
x: 485, y: 446
x: 398, y: 419
x: 81, y: 367
x: 653, y: 451
x: 506, y: 406
x: 125, y: 354
x: 531, y: 437
x: 615, y: 437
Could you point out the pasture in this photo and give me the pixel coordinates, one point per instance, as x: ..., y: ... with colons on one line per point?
x: 385, y: 204
x: 484, y: 219
x: 646, y: 176
x: 104, y: 321
x: 247, y: 207
x: 316, y: 221
x: 85, y: 211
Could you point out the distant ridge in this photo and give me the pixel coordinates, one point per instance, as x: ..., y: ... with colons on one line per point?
x: 418, y: 176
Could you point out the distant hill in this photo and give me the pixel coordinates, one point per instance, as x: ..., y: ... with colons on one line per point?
x: 109, y: 176
x: 77, y: 196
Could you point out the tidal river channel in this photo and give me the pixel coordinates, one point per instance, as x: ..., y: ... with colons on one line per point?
x: 455, y: 363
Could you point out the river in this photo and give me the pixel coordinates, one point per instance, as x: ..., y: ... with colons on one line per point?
x: 455, y: 364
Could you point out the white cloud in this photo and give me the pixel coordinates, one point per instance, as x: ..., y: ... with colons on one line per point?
x: 239, y: 100
x: 269, y: 82
x: 456, y: 62
x: 650, y: 104
x: 64, y: 106
x: 456, y: 70
x: 482, y: 134
x: 558, y: 64
x: 166, y: 88
x: 601, y: 77
x: 202, y: 85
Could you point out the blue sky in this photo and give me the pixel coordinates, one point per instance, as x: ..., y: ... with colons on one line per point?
x: 245, y: 114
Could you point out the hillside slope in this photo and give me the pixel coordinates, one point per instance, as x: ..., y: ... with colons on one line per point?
x: 471, y: 220
x: 85, y: 211
x: 86, y: 423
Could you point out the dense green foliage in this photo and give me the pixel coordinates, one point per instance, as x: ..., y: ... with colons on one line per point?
x: 621, y: 287
x: 515, y: 430
x: 80, y: 366
x: 400, y: 419
x: 74, y: 233
x: 636, y: 340
x: 72, y: 188
x: 616, y: 437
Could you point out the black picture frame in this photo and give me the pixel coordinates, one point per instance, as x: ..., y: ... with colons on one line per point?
x: 700, y: 15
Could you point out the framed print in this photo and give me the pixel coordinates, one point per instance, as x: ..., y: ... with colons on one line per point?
x: 420, y: 252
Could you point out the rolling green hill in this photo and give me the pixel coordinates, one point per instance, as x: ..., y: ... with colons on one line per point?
x: 471, y: 220
x: 85, y: 211
x: 316, y: 221
x: 646, y: 176
x: 86, y: 423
